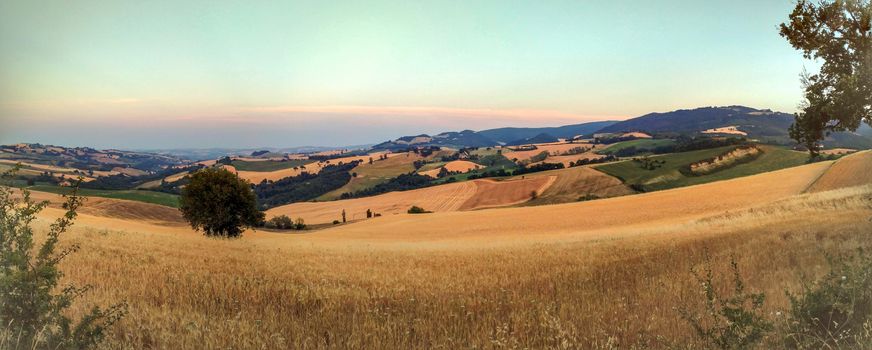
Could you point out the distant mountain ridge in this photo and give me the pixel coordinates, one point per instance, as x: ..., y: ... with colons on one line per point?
x: 494, y: 137
x: 756, y: 122
x: 465, y: 138
x: 506, y: 135
x: 541, y: 138
x: 762, y: 124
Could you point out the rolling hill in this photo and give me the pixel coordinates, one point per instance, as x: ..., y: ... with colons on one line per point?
x: 452, y: 279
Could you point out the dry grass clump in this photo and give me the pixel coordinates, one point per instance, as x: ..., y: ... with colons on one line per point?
x: 186, y: 291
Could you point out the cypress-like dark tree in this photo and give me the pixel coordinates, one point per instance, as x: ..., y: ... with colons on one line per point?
x: 839, y: 97
x: 219, y: 203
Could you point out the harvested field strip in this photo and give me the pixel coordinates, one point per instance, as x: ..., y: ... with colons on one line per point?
x: 574, y: 183
x: 852, y: 170
x: 491, y: 194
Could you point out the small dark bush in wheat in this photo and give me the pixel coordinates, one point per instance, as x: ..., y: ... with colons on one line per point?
x: 728, y: 322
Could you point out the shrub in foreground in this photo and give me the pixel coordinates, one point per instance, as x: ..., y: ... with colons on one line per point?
x: 836, y: 311
x: 728, y: 322
x: 32, y: 316
x: 833, y: 313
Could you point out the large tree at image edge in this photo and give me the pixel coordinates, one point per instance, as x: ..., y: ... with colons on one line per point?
x: 219, y: 203
x: 839, y: 97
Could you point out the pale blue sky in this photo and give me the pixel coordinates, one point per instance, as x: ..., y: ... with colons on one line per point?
x: 156, y: 74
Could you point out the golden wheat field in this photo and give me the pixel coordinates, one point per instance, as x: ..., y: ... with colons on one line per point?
x: 466, y: 195
x: 601, y: 274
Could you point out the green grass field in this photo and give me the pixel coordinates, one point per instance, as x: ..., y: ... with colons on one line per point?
x: 667, y: 175
x: 159, y: 198
x: 269, y: 165
x: 639, y: 144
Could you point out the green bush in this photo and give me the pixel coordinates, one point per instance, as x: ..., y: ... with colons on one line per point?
x: 299, y: 224
x: 31, y: 315
x: 417, y: 210
x: 281, y: 222
x: 588, y: 197
x: 836, y: 311
x: 219, y: 203
x: 728, y: 322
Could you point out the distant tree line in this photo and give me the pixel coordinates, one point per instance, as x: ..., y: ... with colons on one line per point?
x: 586, y: 161
x: 303, y: 187
x: 284, y: 222
x: 127, y: 182
x: 403, y: 182
x: 537, y: 168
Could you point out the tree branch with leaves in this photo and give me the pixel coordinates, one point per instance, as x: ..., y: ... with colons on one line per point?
x: 839, y: 97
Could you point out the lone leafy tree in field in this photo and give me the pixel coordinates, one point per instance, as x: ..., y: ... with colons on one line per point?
x: 219, y: 203
x: 33, y: 315
x: 838, y: 98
